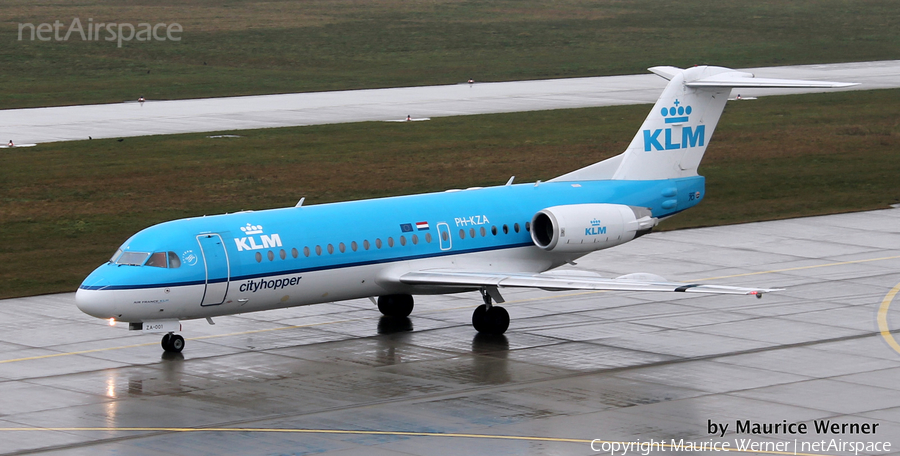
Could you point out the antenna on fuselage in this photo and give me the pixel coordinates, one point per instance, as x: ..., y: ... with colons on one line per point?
x: 510, y: 181
x: 300, y: 203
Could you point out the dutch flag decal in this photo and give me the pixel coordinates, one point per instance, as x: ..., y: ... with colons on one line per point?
x: 422, y: 226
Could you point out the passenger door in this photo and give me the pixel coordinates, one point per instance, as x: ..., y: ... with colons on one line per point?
x: 218, y: 269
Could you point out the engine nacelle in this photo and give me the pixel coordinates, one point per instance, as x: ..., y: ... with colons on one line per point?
x: 587, y: 227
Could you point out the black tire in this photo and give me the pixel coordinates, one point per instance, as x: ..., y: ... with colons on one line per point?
x: 399, y: 305
x: 176, y: 344
x: 479, y: 319
x: 497, y: 320
x: 172, y: 343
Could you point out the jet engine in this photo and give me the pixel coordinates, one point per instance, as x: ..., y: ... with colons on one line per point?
x: 582, y: 228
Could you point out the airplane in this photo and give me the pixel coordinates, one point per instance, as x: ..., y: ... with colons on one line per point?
x: 389, y: 249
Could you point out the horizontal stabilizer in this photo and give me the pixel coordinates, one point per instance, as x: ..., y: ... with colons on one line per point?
x: 666, y: 72
x: 738, y: 79
x: 559, y: 281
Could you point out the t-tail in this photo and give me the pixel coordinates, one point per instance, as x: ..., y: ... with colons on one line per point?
x: 674, y: 136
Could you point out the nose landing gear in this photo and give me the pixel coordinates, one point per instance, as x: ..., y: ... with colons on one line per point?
x: 172, y: 343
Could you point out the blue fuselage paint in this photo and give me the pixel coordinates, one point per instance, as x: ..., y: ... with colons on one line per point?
x: 275, y: 249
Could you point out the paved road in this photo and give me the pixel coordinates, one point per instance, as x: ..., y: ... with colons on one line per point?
x: 220, y: 114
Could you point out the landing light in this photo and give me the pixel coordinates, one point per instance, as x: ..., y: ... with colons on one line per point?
x: 112, y: 321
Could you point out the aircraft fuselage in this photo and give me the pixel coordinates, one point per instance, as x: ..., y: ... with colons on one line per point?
x: 258, y: 260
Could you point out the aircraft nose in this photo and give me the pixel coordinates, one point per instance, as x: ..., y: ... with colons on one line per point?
x: 91, y: 300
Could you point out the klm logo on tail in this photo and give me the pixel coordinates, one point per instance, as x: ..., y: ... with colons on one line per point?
x: 690, y: 137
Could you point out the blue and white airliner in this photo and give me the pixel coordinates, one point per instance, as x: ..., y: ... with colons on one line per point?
x: 473, y: 240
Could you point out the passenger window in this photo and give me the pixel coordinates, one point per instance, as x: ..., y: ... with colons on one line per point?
x: 516, y: 227
x: 445, y: 235
x: 330, y: 249
x: 157, y: 260
x: 295, y: 253
x: 354, y: 246
x: 319, y: 250
x: 505, y: 229
x: 402, y: 240
x: 306, y: 252
x: 483, y: 232
x: 378, y: 242
x: 174, y: 261
x: 462, y: 234
x: 415, y: 239
x: 342, y: 247
x: 258, y: 257
x: 282, y: 254
x: 528, y: 226
x: 428, y: 238
x: 472, y: 233
x: 494, y: 230
x: 271, y: 255
x: 366, y: 244
x: 390, y: 242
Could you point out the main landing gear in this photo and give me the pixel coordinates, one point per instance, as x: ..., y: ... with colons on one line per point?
x: 398, y: 305
x: 488, y: 318
x: 172, y: 343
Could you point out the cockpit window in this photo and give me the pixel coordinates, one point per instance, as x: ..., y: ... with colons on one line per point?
x: 115, y: 256
x: 159, y: 260
x: 132, y: 258
x: 174, y: 261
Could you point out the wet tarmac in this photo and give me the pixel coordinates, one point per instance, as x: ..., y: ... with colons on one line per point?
x: 573, y: 367
x: 156, y: 117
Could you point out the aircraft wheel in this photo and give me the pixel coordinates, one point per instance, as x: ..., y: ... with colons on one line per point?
x: 498, y: 320
x: 479, y: 319
x: 490, y: 321
x: 399, y: 305
x: 172, y: 343
x: 177, y: 343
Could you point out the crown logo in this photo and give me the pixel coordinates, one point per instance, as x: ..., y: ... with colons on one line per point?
x: 595, y: 222
x: 252, y: 229
x: 676, y: 114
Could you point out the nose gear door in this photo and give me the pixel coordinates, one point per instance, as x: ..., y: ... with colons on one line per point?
x: 218, y: 269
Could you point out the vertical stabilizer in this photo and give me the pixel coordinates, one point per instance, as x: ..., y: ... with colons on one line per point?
x: 674, y: 136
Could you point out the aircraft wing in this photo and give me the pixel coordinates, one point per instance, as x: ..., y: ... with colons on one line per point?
x: 567, y: 280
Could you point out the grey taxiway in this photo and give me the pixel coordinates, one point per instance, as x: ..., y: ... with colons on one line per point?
x: 573, y: 367
x: 153, y: 117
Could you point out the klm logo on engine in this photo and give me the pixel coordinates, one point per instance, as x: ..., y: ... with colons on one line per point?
x: 595, y: 229
x: 667, y: 138
x: 250, y: 241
